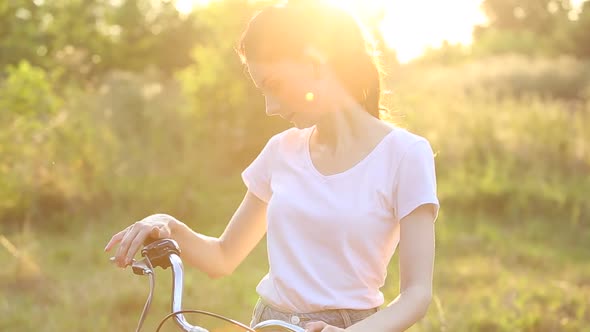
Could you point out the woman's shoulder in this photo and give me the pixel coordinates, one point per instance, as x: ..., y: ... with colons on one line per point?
x: 406, y: 137
x: 289, y: 141
x: 405, y: 141
x: 290, y: 137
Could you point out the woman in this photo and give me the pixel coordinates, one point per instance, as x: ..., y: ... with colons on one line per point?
x: 335, y: 195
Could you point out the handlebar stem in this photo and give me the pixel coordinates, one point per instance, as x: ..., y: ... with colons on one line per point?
x: 177, y: 275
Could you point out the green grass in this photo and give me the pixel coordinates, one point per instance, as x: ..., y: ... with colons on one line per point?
x: 512, y: 167
x: 530, y: 275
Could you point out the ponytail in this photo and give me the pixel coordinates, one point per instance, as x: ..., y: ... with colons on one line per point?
x: 369, y: 75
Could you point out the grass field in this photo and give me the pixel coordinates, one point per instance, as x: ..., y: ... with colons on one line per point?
x: 491, y: 275
x: 513, y: 174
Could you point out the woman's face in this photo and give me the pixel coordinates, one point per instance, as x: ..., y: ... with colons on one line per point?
x: 292, y: 90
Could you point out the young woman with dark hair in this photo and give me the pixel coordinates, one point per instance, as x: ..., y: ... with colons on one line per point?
x: 336, y: 194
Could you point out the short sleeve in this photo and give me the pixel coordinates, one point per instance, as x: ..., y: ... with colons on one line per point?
x: 416, y: 180
x: 257, y: 175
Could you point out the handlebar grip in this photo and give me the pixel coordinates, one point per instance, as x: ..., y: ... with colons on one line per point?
x: 159, y: 250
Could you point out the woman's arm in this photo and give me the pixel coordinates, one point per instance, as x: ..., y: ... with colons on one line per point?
x: 219, y: 257
x: 215, y: 256
x: 416, y: 260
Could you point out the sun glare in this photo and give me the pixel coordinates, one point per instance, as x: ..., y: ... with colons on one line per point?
x: 186, y: 6
x: 408, y: 27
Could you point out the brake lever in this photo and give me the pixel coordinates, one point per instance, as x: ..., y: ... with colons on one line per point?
x: 141, y: 267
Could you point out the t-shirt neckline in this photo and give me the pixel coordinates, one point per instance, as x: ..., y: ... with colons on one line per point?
x: 364, y: 160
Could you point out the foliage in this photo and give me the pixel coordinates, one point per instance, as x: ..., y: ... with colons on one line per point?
x: 113, y: 141
x: 446, y: 54
x: 503, y: 147
x: 219, y: 88
x: 578, y: 38
x: 29, y: 113
x: 507, y: 76
x: 86, y: 38
x: 533, y: 27
x: 538, y: 16
x: 101, y: 123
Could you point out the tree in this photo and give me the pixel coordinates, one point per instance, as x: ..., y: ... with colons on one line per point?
x: 531, y: 27
x: 580, y: 32
x: 89, y: 37
x: 538, y: 16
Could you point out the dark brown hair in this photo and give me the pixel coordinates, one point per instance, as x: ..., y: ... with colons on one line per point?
x: 286, y: 31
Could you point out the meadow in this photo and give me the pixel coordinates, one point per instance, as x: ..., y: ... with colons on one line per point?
x: 511, y: 137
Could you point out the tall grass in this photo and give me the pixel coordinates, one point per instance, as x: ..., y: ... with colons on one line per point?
x: 503, y: 147
x: 513, y: 166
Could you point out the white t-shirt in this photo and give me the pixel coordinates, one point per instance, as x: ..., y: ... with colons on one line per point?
x: 330, y: 238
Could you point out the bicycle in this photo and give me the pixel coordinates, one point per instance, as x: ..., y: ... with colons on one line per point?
x: 165, y: 253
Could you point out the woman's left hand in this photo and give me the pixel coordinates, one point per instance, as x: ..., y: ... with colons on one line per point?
x: 321, y: 327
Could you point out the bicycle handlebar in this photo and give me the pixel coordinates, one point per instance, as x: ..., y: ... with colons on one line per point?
x: 165, y: 253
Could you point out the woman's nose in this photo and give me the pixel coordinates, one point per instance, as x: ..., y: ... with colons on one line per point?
x: 272, y: 106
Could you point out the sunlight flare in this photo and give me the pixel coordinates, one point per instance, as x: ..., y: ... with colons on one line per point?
x: 408, y: 27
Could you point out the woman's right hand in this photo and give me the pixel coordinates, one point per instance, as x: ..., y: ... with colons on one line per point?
x: 130, y: 239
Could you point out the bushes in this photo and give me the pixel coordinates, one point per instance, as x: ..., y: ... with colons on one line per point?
x: 29, y: 114
x: 65, y: 152
x: 506, y: 76
x: 500, y: 151
x: 136, y: 141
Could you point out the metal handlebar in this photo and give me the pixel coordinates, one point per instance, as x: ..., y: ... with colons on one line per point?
x: 177, y: 276
x: 164, y: 253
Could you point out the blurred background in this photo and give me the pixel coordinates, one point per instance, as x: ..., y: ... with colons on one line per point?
x: 111, y: 110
